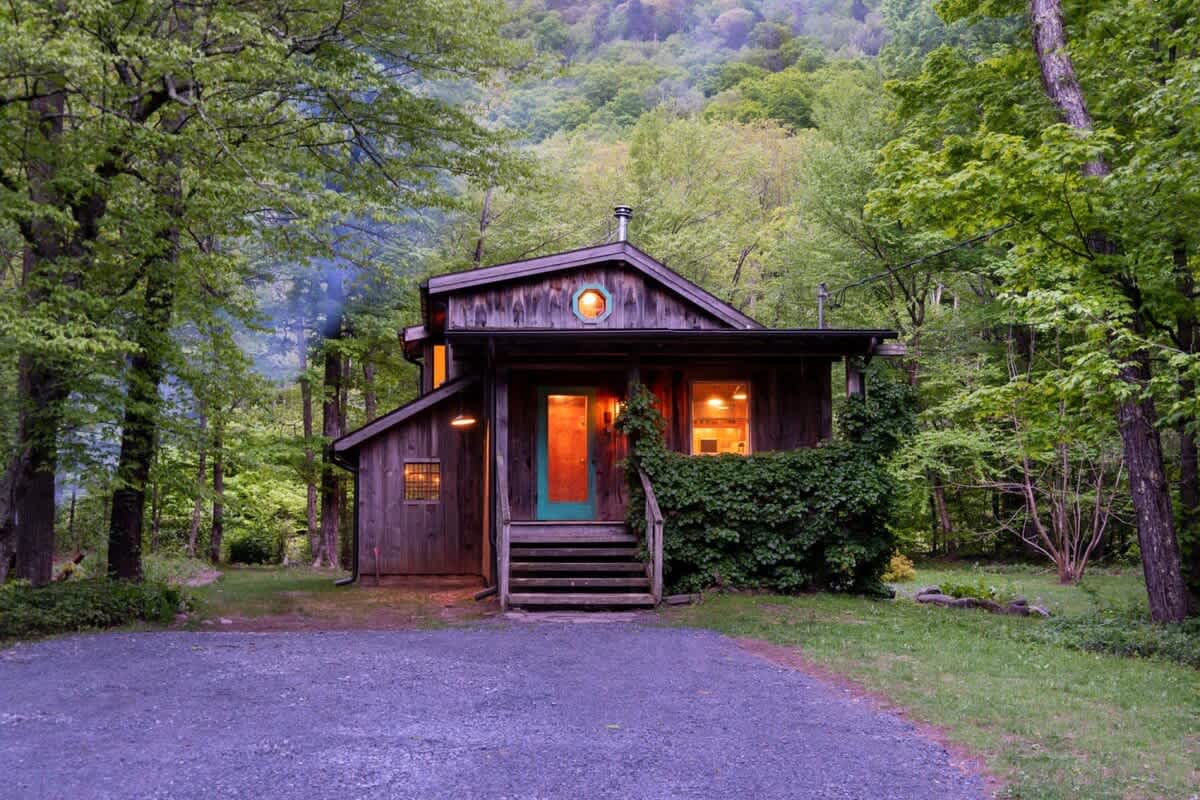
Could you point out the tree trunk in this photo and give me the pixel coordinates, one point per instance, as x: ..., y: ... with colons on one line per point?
x: 8, y: 533
x: 218, y: 503
x: 198, y: 501
x: 1137, y: 416
x: 40, y: 385
x: 139, y: 431
x: 331, y: 429
x: 485, y: 219
x: 945, y: 525
x: 370, y: 401
x: 155, y: 513
x: 42, y: 395
x: 310, y: 457
x: 71, y: 522
x: 1151, y: 500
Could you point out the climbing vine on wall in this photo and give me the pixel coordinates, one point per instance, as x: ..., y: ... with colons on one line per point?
x: 783, y: 521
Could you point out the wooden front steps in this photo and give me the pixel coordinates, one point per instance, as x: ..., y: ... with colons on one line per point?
x: 588, y: 564
x: 572, y: 532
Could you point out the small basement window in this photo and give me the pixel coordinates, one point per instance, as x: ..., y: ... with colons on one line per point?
x: 720, y: 417
x: 422, y: 481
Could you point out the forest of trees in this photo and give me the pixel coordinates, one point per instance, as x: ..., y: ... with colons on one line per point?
x: 214, y: 216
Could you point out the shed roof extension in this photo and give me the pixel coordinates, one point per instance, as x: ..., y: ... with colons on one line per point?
x: 353, y: 439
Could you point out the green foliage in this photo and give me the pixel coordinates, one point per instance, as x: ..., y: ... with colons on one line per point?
x: 77, y: 605
x: 979, y: 590
x: 785, y: 521
x: 1124, y: 632
x: 881, y: 420
x: 899, y: 569
x: 260, y: 547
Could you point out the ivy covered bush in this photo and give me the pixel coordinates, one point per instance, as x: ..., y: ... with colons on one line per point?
x: 781, y: 521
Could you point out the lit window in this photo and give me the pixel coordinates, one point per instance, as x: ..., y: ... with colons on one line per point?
x: 422, y: 480
x: 720, y: 417
x: 591, y: 303
x: 439, y: 365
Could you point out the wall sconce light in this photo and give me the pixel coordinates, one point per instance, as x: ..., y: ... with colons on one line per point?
x: 462, y: 419
x: 611, y: 415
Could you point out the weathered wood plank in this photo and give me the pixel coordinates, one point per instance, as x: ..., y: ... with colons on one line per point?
x: 633, y: 582
x: 597, y: 599
x: 577, y: 566
x: 544, y: 301
x: 574, y: 532
x: 526, y: 551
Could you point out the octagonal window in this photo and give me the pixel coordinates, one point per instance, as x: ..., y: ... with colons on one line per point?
x: 591, y: 303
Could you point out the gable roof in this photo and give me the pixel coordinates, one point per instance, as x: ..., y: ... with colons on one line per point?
x: 614, y: 251
x: 375, y: 427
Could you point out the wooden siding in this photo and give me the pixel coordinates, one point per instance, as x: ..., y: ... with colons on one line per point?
x: 608, y: 448
x: 790, y: 408
x: 418, y: 537
x: 790, y: 403
x: 545, y: 302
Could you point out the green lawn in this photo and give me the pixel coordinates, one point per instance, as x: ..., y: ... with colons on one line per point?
x: 1051, y: 722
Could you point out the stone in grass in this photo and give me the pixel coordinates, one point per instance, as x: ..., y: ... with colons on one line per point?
x: 928, y: 590
x: 681, y: 599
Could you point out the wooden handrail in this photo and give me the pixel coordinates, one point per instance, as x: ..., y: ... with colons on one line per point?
x: 505, y: 521
x: 654, y: 535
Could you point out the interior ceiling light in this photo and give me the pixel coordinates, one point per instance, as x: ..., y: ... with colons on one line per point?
x: 739, y: 393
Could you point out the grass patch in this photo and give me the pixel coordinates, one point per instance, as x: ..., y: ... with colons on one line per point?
x: 1053, y: 721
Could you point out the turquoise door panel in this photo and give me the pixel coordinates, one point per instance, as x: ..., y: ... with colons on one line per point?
x: 548, y: 509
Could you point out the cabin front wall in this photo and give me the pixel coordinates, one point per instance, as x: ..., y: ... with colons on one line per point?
x: 545, y: 301
x: 790, y: 407
x: 607, y: 445
x: 401, y: 536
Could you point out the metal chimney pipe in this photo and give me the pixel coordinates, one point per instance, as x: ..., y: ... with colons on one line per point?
x: 623, y: 215
x: 822, y: 296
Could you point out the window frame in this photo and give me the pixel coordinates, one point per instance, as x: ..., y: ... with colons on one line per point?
x: 691, y: 409
x: 592, y: 287
x: 404, y: 480
x: 434, y: 365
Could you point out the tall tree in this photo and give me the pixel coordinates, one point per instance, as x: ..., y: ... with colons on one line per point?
x: 982, y: 149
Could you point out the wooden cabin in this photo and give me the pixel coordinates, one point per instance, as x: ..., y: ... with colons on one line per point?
x: 508, y: 465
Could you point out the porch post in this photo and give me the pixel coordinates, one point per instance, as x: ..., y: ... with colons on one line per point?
x: 854, y: 379
x: 502, y: 500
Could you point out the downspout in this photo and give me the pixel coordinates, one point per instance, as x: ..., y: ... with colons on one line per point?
x: 420, y: 365
x: 353, y: 577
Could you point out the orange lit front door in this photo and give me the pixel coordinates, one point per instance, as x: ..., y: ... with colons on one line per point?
x: 566, y: 479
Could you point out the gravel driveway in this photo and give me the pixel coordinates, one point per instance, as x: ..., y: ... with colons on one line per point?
x: 495, y: 711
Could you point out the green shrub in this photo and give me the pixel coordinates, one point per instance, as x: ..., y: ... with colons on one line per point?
x: 978, y: 590
x: 77, y: 605
x: 899, y: 569
x: 1123, y: 632
x: 260, y: 547
x: 782, y: 521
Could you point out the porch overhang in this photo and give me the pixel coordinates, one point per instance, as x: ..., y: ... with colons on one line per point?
x: 739, y: 343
